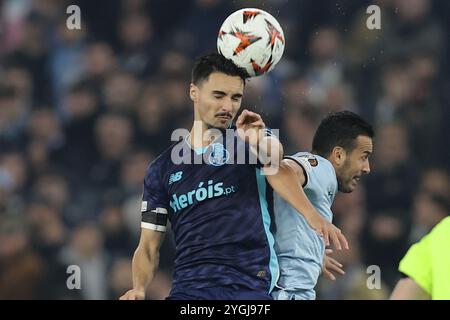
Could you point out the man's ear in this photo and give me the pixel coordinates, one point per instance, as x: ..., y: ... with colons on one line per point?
x: 338, y: 155
x: 193, y: 92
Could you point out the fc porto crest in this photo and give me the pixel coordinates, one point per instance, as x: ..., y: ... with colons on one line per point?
x: 219, y: 155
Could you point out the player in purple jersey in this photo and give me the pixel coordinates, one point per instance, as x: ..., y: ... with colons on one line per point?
x: 220, y: 209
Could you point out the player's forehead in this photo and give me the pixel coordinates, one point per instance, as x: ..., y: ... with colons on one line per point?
x: 364, y: 144
x: 218, y: 81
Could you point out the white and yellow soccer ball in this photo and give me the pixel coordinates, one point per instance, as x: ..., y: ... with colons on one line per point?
x: 253, y: 39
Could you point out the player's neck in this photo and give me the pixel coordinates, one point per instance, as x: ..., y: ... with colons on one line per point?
x: 201, y: 136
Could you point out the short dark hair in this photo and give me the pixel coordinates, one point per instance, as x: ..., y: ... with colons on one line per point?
x: 340, y: 129
x: 215, y: 62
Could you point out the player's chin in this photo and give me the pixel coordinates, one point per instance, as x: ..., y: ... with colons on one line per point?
x: 349, y: 187
x: 222, y: 123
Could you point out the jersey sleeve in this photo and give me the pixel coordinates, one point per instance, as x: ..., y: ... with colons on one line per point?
x: 303, y: 162
x: 268, y: 132
x: 417, y: 264
x: 155, y: 202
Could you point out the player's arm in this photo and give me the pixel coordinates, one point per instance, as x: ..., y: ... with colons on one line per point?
x: 154, y: 222
x: 146, y: 259
x: 286, y: 183
x: 252, y: 129
x: 270, y: 149
x: 145, y: 263
x: 408, y: 289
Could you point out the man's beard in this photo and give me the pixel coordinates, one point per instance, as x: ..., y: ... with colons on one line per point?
x: 342, y: 185
x: 221, y: 129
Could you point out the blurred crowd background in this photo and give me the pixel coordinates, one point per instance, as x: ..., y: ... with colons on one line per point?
x: 83, y: 112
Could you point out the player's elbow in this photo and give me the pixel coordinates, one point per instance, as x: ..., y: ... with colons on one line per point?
x: 146, y: 251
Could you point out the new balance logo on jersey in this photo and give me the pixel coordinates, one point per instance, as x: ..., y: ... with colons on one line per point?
x: 174, y: 177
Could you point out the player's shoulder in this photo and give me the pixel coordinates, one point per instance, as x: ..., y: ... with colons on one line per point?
x: 445, y: 223
x: 442, y: 228
x: 310, y: 162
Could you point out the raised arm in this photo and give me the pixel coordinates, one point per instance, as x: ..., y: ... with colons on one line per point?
x: 287, y: 182
x: 267, y: 147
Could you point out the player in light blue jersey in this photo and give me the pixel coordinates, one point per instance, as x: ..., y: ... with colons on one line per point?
x: 340, y: 157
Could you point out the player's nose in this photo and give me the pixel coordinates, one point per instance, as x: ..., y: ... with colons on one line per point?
x: 366, y: 168
x: 227, y: 105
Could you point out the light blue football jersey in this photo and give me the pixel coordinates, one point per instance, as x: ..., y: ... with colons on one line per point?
x: 299, y: 249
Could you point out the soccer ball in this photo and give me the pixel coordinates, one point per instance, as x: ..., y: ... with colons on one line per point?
x: 252, y: 39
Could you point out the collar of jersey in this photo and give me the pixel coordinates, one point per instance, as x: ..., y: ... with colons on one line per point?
x: 202, y: 150
x: 199, y: 150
